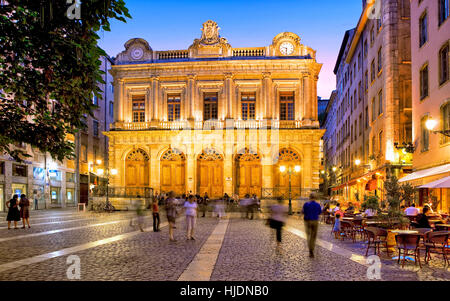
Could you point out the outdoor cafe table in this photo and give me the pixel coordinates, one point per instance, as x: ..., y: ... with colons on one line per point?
x: 443, y: 225
x: 412, y: 232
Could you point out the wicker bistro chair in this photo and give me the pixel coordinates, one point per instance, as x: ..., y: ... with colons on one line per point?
x: 436, y: 242
x: 347, y: 230
x: 358, y: 227
x: 407, y: 243
x: 375, y: 237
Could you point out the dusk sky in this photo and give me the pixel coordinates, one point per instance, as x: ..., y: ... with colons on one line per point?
x: 170, y: 25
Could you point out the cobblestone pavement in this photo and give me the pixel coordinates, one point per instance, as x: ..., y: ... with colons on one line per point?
x: 248, y: 251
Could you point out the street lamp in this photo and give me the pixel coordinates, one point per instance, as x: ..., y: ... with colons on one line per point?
x: 112, y: 172
x: 297, y: 169
x: 431, y: 124
x: 357, y: 162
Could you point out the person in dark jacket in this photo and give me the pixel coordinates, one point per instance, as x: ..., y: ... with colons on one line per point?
x: 13, y: 211
x: 422, y: 219
x: 311, y: 211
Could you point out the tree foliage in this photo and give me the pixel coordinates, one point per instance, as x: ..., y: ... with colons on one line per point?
x: 49, y: 70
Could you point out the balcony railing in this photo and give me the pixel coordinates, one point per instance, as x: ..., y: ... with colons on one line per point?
x: 172, y: 54
x: 240, y: 52
x: 216, y: 125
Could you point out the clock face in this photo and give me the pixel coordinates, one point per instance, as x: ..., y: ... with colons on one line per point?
x: 286, y: 48
x: 137, y: 53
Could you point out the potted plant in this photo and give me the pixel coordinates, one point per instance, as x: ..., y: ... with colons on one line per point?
x: 408, y: 193
x: 371, y: 202
x: 394, y: 218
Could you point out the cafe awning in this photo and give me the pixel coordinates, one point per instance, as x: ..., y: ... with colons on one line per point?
x: 441, y: 183
x: 426, y: 173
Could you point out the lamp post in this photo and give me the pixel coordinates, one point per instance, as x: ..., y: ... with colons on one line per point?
x: 431, y: 125
x: 108, y: 172
x: 290, y: 172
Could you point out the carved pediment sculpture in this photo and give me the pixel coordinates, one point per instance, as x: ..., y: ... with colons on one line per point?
x: 136, y: 50
x: 210, y: 44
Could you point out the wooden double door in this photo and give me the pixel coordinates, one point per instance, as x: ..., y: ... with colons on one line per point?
x: 137, y: 174
x: 210, y: 178
x: 173, y: 177
x: 249, y: 178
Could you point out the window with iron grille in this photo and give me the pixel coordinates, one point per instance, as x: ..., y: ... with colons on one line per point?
x: 138, y: 108
x: 443, y: 64
x: 423, y: 29
x: 425, y: 134
x: 173, y: 107
x: 444, y: 11
x: 424, y: 82
x: 210, y: 106
x: 445, y: 115
x: 287, y: 106
x: 380, y: 102
x: 95, y: 127
x: 248, y: 105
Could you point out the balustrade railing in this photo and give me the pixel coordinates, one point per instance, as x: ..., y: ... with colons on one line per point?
x: 242, y: 52
x: 215, y: 124
x: 172, y: 54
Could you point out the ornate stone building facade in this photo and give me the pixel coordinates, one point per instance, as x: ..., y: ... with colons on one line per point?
x: 216, y: 119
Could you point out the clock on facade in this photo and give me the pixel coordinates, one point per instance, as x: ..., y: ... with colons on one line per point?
x: 286, y: 48
x: 137, y: 53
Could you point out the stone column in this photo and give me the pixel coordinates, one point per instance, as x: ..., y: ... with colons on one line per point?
x: 306, y: 97
x: 148, y: 108
x: 190, y: 99
x: 228, y: 106
x: 276, y: 104
x: 190, y: 173
x: 118, y: 99
x: 314, y: 100
x: 297, y: 103
x: 228, y: 179
x: 155, y: 101
x: 154, y: 169
x: 267, y: 172
x: 266, y: 95
x: 306, y: 168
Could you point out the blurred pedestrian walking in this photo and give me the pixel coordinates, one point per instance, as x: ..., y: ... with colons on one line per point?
x: 24, y: 205
x: 278, y: 217
x: 171, y: 211
x: 13, y: 211
x: 251, y: 204
x: 311, y: 211
x: 204, y: 204
x: 191, y: 216
x: 156, y: 218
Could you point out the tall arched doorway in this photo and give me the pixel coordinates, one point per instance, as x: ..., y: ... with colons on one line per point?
x: 210, y: 173
x: 288, y: 158
x: 248, y: 173
x: 173, y: 173
x: 136, y: 169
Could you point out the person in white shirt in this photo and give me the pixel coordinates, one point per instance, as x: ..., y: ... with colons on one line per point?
x: 369, y: 212
x: 412, y: 211
x: 191, y: 215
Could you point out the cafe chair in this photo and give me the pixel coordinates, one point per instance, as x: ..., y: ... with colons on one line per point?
x: 376, y: 237
x: 436, y: 242
x: 347, y: 230
x: 407, y: 243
